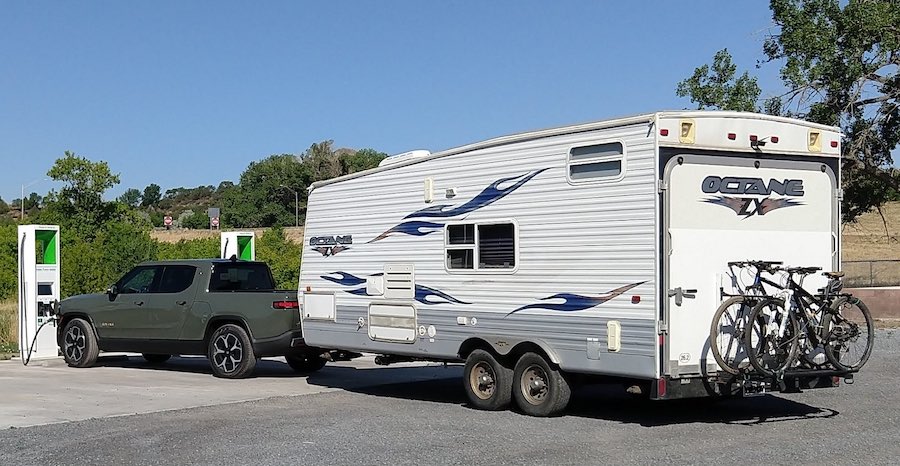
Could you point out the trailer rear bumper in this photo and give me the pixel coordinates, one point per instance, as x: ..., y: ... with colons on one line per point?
x: 668, y: 388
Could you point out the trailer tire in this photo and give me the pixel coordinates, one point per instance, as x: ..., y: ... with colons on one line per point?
x: 539, y: 388
x: 79, y: 344
x: 230, y: 352
x: 487, y: 382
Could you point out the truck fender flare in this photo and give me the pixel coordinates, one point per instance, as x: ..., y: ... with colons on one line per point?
x: 215, y: 321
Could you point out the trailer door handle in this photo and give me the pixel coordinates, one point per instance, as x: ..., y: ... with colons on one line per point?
x: 680, y: 294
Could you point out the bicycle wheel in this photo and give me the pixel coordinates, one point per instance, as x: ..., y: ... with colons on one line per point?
x: 849, y: 333
x: 770, y: 351
x: 726, y: 334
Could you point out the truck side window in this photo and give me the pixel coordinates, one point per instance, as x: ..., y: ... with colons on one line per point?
x: 139, y: 280
x: 240, y: 277
x: 176, y: 278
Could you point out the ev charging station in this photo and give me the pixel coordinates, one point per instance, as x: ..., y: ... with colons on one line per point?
x: 239, y: 244
x: 38, y: 288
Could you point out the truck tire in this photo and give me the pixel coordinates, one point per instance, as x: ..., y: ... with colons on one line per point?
x: 79, y: 344
x: 156, y: 358
x: 306, y: 363
x: 487, y: 382
x: 230, y: 352
x: 539, y: 388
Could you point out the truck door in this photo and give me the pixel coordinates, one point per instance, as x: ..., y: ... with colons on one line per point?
x: 170, y: 302
x: 730, y: 208
x: 126, y: 311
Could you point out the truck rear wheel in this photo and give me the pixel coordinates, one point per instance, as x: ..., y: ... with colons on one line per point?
x: 306, y: 363
x: 487, y: 382
x: 230, y: 352
x: 539, y: 388
x: 79, y: 344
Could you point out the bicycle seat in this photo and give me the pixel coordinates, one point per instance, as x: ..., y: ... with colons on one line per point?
x: 837, y: 274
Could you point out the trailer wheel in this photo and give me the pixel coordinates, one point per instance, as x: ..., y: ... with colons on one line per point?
x: 488, y: 383
x: 305, y: 363
x: 539, y: 388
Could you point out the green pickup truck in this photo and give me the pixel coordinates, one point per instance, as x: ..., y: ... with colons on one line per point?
x: 228, y: 310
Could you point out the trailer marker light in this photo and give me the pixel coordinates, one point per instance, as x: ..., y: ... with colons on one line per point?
x: 663, y: 132
x: 635, y: 299
x: 834, y: 143
x: 687, y: 132
x: 774, y: 139
x: 836, y: 381
x: 732, y: 136
x: 308, y: 289
x: 753, y: 138
x: 815, y: 142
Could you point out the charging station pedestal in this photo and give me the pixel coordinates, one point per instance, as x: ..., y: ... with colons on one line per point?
x: 38, y: 288
x: 239, y: 244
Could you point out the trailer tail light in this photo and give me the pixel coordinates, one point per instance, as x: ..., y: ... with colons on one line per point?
x: 834, y: 143
x: 635, y: 299
x: 661, y: 388
x: 663, y: 132
x: 286, y: 305
x: 836, y: 381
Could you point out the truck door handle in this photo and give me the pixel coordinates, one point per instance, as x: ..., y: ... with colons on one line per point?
x: 139, y: 303
x: 181, y: 303
x: 680, y: 294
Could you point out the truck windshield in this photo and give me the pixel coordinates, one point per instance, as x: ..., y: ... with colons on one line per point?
x: 240, y: 276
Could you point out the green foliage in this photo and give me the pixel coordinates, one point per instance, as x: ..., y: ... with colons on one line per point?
x: 283, y: 257
x: 715, y: 87
x: 200, y: 248
x: 196, y: 221
x: 264, y: 196
x: 151, y: 195
x: 131, y: 197
x: 4, y: 207
x: 841, y: 68
x: 9, y: 252
x: 157, y: 219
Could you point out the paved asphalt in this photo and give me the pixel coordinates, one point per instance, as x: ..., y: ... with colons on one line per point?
x: 425, y: 421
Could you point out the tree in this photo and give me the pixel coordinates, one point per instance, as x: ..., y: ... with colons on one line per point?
x: 264, y: 196
x: 131, y: 197
x: 360, y: 160
x: 715, y: 87
x: 841, y: 67
x: 151, y: 195
x: 79, y: 204
x: 4, y: 207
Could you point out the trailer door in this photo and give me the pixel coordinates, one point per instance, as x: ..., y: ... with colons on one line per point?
x: 729, y: 208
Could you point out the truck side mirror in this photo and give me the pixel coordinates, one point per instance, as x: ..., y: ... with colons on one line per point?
x: 112, y: 290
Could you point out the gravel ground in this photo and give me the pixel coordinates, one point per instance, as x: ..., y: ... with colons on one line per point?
x: 428, y: 422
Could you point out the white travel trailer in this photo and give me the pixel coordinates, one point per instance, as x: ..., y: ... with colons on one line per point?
x: 597, y: 249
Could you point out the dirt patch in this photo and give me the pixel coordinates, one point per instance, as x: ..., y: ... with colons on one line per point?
x: 293, y: 234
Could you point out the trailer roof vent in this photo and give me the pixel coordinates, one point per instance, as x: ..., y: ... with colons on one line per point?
x: 406, y: 156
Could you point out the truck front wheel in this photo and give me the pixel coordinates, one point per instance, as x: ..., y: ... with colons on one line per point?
x: 230, y: 352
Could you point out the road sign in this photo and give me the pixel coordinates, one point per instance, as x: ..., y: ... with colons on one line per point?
x: 214, y: 222
x: 167, y: 220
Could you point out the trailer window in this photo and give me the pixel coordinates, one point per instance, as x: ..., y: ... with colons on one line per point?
x: 596, y: 162
x: 487, y: 246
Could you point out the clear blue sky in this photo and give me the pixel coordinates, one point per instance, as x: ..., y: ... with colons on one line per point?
x: 189, y: 93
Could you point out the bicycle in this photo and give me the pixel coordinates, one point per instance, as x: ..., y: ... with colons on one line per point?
x: 726, y: 333
x: 828, y: 320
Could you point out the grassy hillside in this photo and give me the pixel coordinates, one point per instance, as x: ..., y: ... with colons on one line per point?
x: 867, y: 240
x: 293, y: 234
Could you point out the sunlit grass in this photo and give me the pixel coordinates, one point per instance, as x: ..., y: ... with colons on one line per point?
x: 9, y: 326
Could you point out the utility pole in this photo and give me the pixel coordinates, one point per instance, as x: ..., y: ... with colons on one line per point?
x: 22, y: 199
